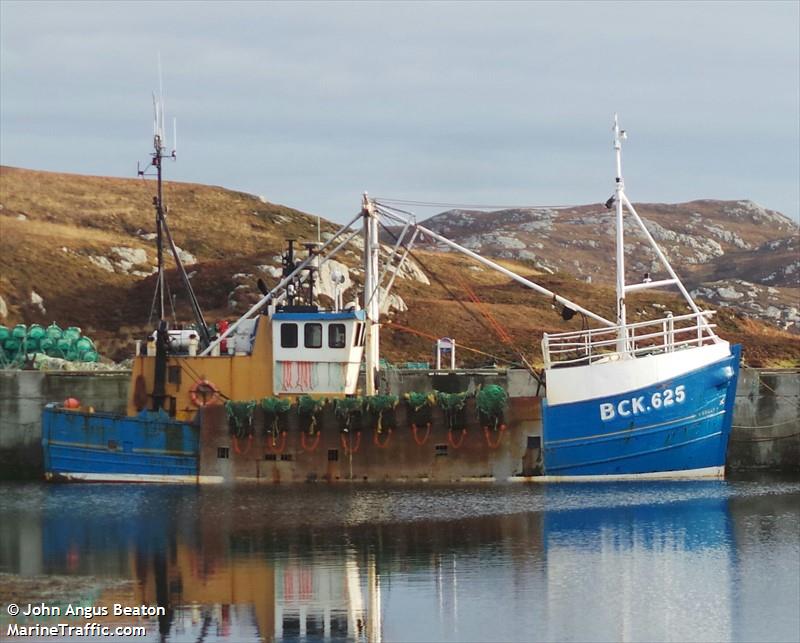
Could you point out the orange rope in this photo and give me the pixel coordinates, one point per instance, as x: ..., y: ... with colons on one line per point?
x: 272, y: 448
x: 501, y: 332
x: 460, y: 442
x: 489, y: 442
x: 377, y: 441
x: 314, y: 445
x: 351, y: 449
x: 236, y: 444
x: 413, y: 331
x: 427, y: 433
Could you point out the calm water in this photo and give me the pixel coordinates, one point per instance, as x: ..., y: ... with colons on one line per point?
x: 711, y: 561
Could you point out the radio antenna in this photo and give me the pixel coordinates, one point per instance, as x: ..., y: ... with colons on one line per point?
x: 158, y: 155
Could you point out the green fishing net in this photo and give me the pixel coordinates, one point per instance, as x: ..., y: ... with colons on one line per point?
x: 309, y: 408
x: 377, y: 404
x: 491, y: 400
x: 417, y: 400
x: 240, y: 417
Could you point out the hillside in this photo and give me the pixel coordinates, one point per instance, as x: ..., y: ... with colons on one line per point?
x: 731, y: 253
x: 79, y: 250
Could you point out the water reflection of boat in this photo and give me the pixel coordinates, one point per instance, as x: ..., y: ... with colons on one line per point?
x: 650, y: 565
x: 602, y: 562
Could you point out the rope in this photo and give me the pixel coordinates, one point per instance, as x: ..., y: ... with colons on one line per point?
x: 236, y: 444
x: 350, y: 448
x: 441, y: 283
x: 770, y: 439
x: 377, y: 441
x: 313, y: 447
x: 394, y: 325
x: 427, y: 433
x: 272, y: 448
x: 466, y: 206
x: 460, y: 442
x: 486, y: 433
x: 763, y: 426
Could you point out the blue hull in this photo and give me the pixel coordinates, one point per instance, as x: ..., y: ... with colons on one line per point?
x: 680, y: 424
x: 103, y: 446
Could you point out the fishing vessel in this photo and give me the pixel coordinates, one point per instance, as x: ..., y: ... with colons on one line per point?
x: 293, y: 392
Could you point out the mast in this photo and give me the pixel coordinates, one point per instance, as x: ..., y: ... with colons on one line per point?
x: 622, y: 338
x: 162, y: 229
x: 371, y: 293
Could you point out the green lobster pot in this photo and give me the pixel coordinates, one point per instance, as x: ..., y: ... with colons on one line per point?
x: 54, y: 331
x: 64, y: 345
x: 4, y: 334
x: 12, y: 345
x: 35, y: 331
x: 53, y: 350
x: 72, y: 333
x: 19, y: 332
x: 72, y: 355
x: 46, y: 344
x: 90, y: 356
x: 84, y: 344
x: 32, y: 345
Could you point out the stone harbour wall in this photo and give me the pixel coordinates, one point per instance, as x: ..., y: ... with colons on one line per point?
x: 23, y: 395
x: 766, y: 421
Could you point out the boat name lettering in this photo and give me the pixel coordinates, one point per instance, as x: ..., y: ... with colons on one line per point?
x: 640, y: 405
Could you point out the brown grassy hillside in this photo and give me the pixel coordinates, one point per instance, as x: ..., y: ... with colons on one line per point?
x: 81, y: 244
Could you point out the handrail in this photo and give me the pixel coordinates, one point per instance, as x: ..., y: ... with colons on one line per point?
x: 591, y: 345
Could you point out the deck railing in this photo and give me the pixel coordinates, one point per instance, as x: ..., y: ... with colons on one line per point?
x: 664, y: 335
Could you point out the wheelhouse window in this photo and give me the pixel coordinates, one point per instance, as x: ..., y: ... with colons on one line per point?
x: 313, y: 335
x: 336, y: 336
x: 358, y: 336
x: 288, y: 335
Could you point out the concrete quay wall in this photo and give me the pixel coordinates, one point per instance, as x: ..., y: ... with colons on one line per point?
x: 766, y: 421
x: 23, y: 395
x: 766, y: 433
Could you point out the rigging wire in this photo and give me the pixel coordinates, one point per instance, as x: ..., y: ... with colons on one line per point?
x: 470, y: 206
x: 395, y: 326
x: 467, y: 309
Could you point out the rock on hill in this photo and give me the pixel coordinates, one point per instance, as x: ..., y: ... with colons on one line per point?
x: 733, y: 253
x: 79, y: 250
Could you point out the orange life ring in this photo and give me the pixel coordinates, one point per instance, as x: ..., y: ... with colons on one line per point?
x: 203, y: 393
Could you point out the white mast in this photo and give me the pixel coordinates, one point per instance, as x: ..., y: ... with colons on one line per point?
x: 371, y: 293
x: 622, y: 341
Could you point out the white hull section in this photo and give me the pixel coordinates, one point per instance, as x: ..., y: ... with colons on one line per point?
x: 135, y: 477
x: 605, y: 379
x: 714, y: 473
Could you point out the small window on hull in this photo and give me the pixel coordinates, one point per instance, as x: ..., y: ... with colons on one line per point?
x: 337, y: 336
x: 223, y: 453
x: 312, y: 335
x: 288, y: 335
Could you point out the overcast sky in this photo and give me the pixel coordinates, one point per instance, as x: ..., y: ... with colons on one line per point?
x: 310, y: 104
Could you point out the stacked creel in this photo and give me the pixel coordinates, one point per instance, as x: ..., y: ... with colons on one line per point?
x: 20, y: 342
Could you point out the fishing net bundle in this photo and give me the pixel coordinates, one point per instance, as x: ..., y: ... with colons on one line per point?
x: 491, y: 402
x: 382, y: 409
x: 240, y: 417
x: 452, y: 404
x: 346, y: 409
x: 420, y: 406
x: 309, y: 411
x: 275, y: 414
